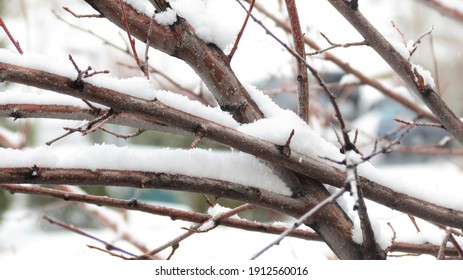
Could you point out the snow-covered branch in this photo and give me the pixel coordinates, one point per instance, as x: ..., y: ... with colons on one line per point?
x: 296, y: 161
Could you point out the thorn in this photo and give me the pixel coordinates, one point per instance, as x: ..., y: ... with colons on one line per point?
x: 286, y: 150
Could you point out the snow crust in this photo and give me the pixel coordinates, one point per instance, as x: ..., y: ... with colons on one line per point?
x: 229, y: 166
x: 166, y: 17
x: 427, y: 77
x: 207, y: 18
x: 278, y: 124
x: 144, y: 7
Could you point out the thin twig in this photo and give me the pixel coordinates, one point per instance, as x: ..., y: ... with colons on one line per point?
x: 106, y: 219
x: 81, y: 232
x: 131, y: 39
x: 108, y: 252
x: 82, y: 16
x: 441, y: 253
x: 125, y: 137
x: 240, y: 33
x: 413, y: 220
x: 301, y: 220
x: 336, y: 45
x: 198, y: 228
x: 10, y: 36
x: 302, y: 74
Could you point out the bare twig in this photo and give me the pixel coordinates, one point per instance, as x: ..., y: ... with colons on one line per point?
x: 302, y: 75
x: 413, y: 220
x: 337, y: 45
x: 300, y: 221
x: 142, y: 66
x: 240, y: 33
x: 441, y: 253
x: 81, y: 232
x: 206, y: 226
x: 109, y: 252
x: 125, y: 137
x: 456, y: 245
x: 104, y: 218
x: 87, y: 127
x: 413, y: 123
x: 10, y: 36
x: 82, y: 16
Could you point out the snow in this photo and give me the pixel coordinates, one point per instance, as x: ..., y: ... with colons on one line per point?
x: 166, y: 17
x: 427, y: 77
x: 278, y: 124
x: 141, y: 6
x: 401, y: 49
x: 383, y: 234
x: 42, y: 98
x: 194, y: 162
x: 435, y: 183
x: 218, y: 22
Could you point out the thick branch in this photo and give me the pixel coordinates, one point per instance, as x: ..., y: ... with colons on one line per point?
x: 214, y: 70
x: 402, y: 67
x: 153, y: 180
x: 67, y: 112
x: 180, y: 40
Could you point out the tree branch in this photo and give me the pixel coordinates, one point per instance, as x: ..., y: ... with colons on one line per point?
x: 302, y: 74
x: 174, y: 214
x: 296, y: 161
x: 349, y: 69
x: 444, y: 9
x: 180, y: 40
x: 402, y: 67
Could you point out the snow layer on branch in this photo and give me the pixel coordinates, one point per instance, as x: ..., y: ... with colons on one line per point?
x: 427, y: 77
x: 228, y: 166
x: 207, y: 18
x: 278, y: 124
x: 54, y: 65
x: 43, y: 98
x: 166, y: 17
x: 382, y: 234
x: 141, y: 6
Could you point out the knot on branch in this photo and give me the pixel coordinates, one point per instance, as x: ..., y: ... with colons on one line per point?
x: 353, y: 4
x: 81, y: 74
x: 33, y: 172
